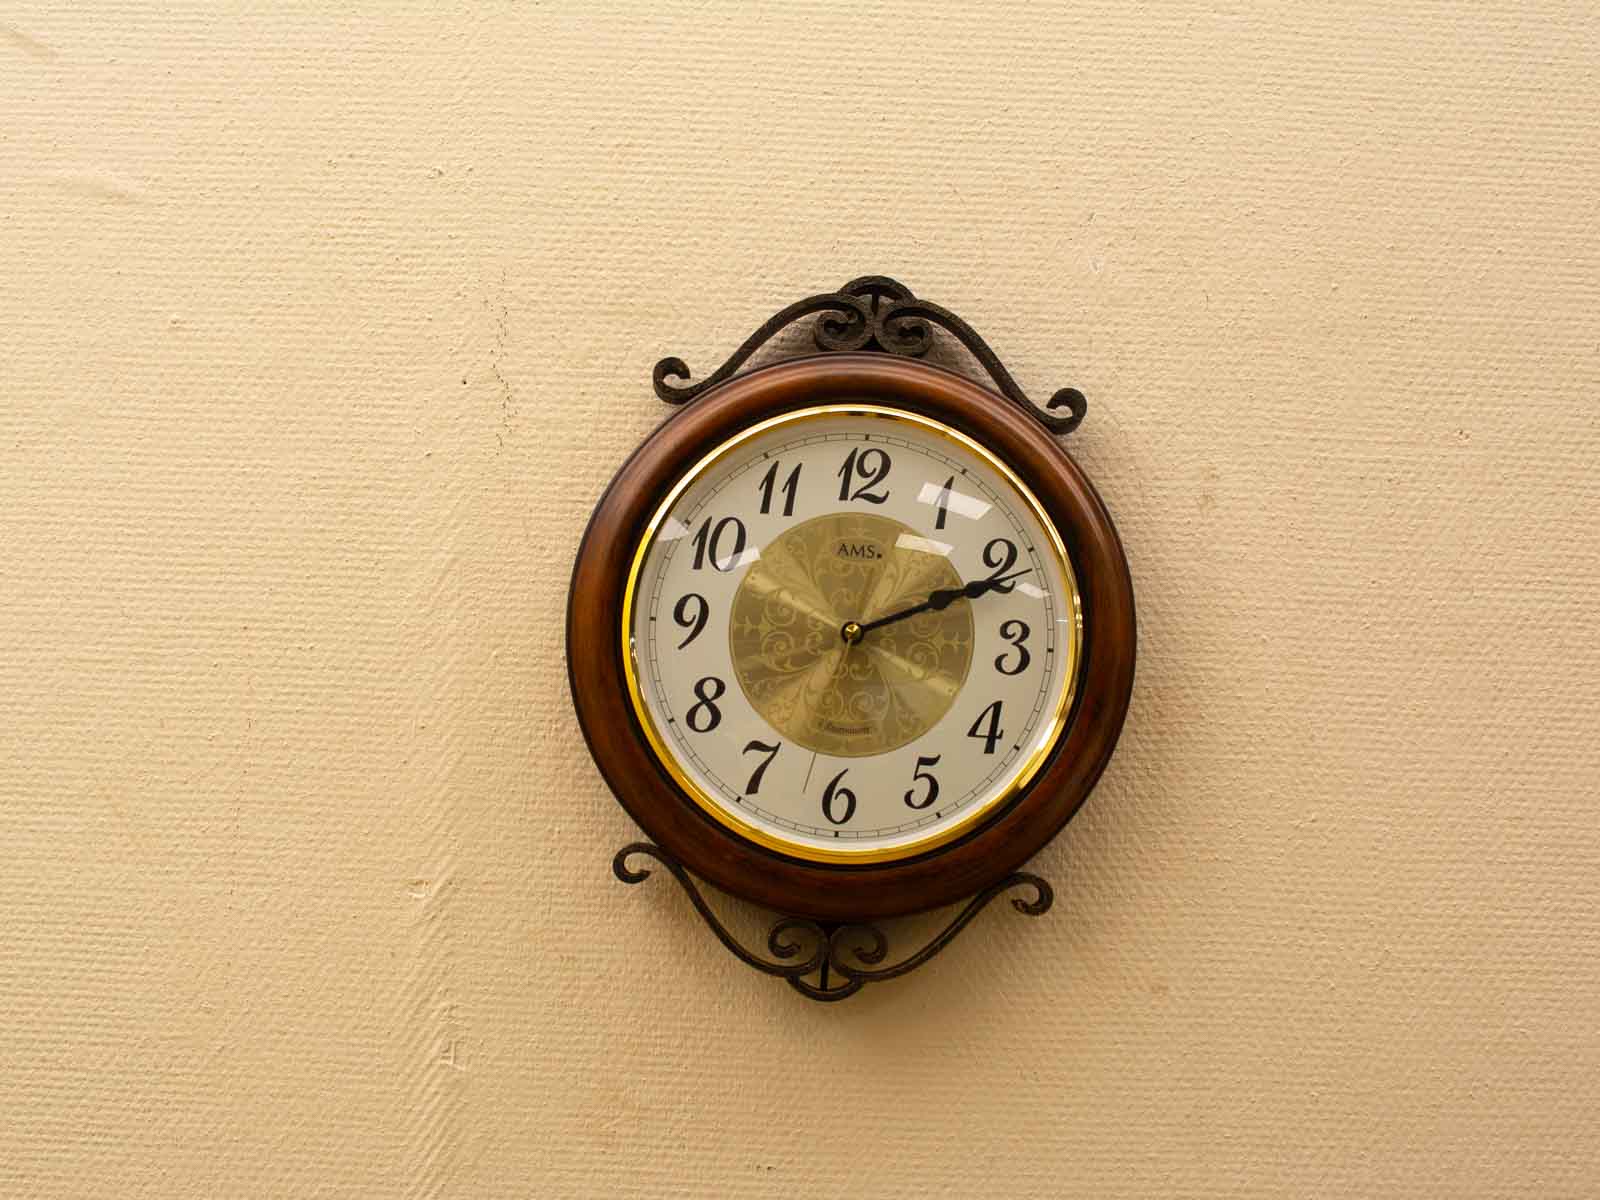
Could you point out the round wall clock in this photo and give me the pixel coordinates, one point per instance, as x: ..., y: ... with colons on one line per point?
x: 851, y: 636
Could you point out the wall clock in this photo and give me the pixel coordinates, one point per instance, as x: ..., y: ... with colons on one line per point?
x: 850, y: 636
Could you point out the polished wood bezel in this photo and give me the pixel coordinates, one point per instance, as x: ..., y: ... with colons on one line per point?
x: 831, y: 891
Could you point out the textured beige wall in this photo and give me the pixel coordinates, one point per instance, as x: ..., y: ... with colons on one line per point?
x: 322, y: 334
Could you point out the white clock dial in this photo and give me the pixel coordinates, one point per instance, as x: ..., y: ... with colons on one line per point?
x: 851, y: 633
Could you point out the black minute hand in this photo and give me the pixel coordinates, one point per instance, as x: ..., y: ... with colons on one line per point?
x: 945, y: 597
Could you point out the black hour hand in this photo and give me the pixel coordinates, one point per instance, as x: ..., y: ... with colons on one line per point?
x: 945, y: 597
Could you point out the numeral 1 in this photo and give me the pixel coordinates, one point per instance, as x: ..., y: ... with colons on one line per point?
x: 944, y: 502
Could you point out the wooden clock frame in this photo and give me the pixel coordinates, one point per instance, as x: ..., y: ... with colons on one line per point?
x: 1020, y: 434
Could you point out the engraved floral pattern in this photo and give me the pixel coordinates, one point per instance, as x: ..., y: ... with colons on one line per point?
x: 796, y: 668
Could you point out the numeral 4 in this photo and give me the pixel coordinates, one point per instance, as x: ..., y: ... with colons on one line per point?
x: 987, y: 727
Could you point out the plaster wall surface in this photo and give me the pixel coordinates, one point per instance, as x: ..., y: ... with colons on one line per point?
x: 323, y: 329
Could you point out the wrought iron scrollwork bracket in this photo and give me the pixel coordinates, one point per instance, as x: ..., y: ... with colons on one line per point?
x: 876, y: 313
x: 824, y: 961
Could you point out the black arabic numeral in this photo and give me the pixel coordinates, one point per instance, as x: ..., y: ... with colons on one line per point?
x: 694, y: 624
x: 872, y: 466
x: 943, y: 502
x: 708, y: 544
x: 842, y: 795
x: 770, y: 749
x: 1016, y: 632
x: 790, y: 487
x: 933, y: 784
x: 1000, y: 555
x: 990, y: 716
x: 707, y: 692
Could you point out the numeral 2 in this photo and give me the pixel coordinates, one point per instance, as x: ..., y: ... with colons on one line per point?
x: 1000, y: 555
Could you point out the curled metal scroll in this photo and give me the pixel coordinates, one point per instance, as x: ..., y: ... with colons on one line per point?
x: 783, y: 947
x: 875, y: 312
x: 844, y: 958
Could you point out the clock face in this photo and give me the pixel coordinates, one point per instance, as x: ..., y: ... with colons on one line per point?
x: 851, y: 633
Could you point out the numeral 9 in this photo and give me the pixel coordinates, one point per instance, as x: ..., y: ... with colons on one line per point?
x: 694, y: 621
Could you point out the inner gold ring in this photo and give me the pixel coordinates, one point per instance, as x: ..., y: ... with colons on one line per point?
x: 806, y: 663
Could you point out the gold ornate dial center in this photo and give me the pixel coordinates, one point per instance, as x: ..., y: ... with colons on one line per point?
x: 806, y: 652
